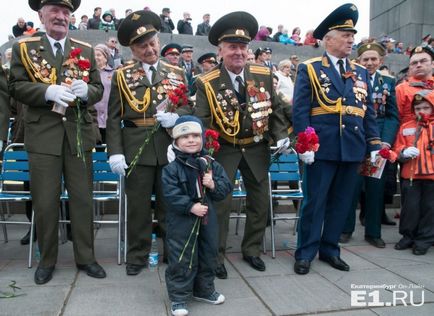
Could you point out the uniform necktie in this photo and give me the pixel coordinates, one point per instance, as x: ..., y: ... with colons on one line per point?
x: 241, y: 88
x: 154, y: 73
x: 59, y: 55
x: 372, y: 80
x: 341, y: 68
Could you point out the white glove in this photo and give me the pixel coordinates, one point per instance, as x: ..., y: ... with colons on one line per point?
x: 118, y: 164
x: 410, y: 152
x: 308, y: 157
x: 283, y: 145
x: 1, y: 145
x: 60, y: 95
x: 170, y: 154
x: 374, y: 155
x: 167, y: 119
x: 79, y: 88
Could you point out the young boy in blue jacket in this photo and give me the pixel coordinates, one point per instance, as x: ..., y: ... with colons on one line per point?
x: 191, y: 184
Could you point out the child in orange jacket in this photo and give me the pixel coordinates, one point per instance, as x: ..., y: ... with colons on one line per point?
x: 414, y: 146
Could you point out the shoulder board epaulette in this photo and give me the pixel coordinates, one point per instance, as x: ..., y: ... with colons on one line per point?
x: 126, y: 66
x: 312, y: 60
x: 30, y: 39
x: 80, y: 42
x: 357, y: 64
x: 258, y: 69
x: 165, y: 64
x: 210, y: 75
x: 388, y: 76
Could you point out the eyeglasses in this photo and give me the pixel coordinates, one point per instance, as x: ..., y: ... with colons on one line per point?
x: 422, y: 61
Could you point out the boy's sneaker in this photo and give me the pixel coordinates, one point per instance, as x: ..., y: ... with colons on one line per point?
x: 179, y: 309
x: 215, y: 298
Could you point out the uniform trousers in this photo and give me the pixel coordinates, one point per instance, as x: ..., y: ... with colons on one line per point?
x: 139, y: 186
x: 46, y: 173
x: 328, y: 188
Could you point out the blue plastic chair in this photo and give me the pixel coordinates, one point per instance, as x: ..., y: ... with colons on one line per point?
x: 283, y: 170
x: 15, y: 168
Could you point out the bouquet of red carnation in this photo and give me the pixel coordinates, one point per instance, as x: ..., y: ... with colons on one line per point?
x: 307, y: 141
x: 78, y: 69
x: 388, y: 154
x: 211, y: 143
x: 175, y: 98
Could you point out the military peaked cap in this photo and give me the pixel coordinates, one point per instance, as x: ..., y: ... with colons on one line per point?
x: 343, y: 18
x: 208, y: 57
x: 138, y: 25
x: 36, y: 5
x: 171, y: 48
x: 423, y: 49
x: 235, y: 27
x: 371, y: 46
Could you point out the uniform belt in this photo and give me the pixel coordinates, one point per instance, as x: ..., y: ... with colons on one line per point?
x: 237, y: 141
x: 140, y: 122
x: 346, y: 110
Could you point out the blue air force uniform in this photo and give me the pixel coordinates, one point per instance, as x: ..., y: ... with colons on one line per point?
x: 342, y: 115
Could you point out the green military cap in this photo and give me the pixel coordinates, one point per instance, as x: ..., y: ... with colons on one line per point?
x: 36, y: 5
x: 425, y: 94
x: 171, y: 48
x: 235, y: 27
x: 344, y: 18
x: 423, y: 49
x: 371, y: 46
x: 138, y: 25
x: 208, y: 57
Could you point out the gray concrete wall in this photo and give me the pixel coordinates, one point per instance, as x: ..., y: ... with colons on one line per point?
x: 404, y: 20
x: 201, y: 44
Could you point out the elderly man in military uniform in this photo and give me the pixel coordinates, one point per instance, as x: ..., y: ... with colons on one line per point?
x: 332, y: 96
x: 137, y: 90
x: 43, y: 74
x: 238, y: 101
x: 207, y: 61
x: 371, y: 55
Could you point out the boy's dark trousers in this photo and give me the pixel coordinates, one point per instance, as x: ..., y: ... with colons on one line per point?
x: 181, y: 281
x: 417, y: 213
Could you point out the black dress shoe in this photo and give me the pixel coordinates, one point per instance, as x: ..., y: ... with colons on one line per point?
x: 255, y: 262
x: 93, y: 270
x: 376, y: 242
x: 419, y: 251
x: 345, y: 237
x: 26, y: 239
x: 403, y: 244
x: 220, y: 272
x: 302, y: 266
x: 336, y: 262
x: 43, y: 275
x: 385, y: 220
x: 134, y: 269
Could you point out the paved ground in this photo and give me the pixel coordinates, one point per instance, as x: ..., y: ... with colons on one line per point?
x: 277, y: 291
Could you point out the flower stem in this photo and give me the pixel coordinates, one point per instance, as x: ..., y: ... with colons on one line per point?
x: 79, y: 138
x: 194, y: 245
x: 188, y: 240
x: 139, y: 152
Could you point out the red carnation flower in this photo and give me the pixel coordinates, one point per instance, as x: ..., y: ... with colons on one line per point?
x: 75, y: 52
x: 83, y: 64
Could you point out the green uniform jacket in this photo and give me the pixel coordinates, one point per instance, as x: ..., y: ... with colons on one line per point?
x: 127, y: 141
x: 32, y: 61
x: 259, y: 86
x: 4, y: 105
x: 386, y: 110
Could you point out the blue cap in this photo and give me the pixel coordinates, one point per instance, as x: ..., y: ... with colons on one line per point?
x: 344, y: 18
